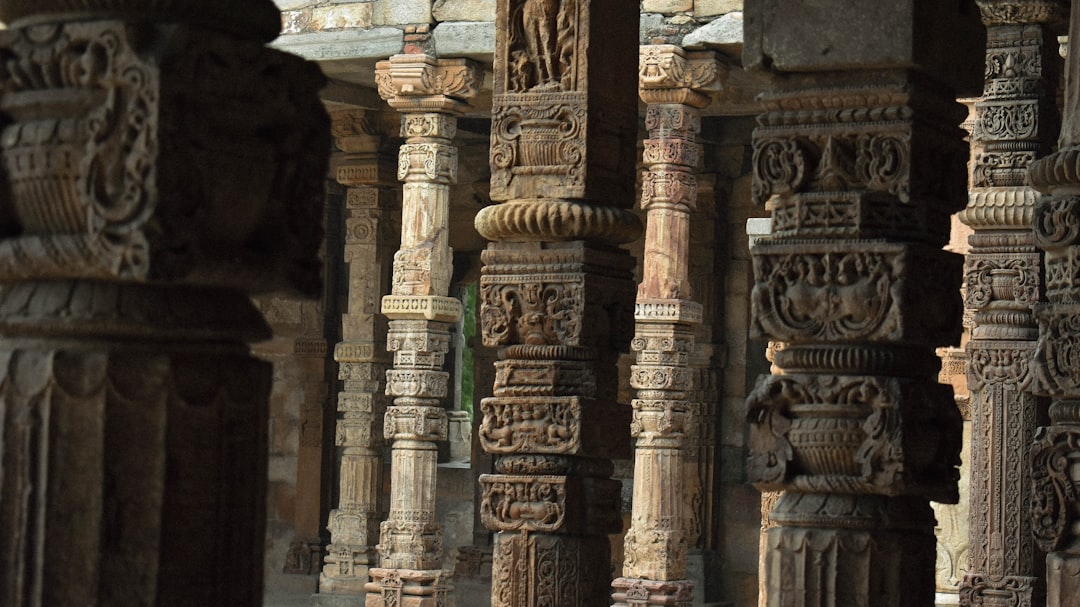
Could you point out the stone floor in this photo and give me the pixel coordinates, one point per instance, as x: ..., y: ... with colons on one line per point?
x: 285, y: 599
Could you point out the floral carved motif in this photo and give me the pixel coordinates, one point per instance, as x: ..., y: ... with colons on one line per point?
x: 532, y: 313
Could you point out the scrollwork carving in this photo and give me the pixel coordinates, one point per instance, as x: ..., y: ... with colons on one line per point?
x: 1055, y: 490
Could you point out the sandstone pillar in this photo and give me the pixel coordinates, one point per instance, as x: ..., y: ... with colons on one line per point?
x: 860, y: 156
x: 369, y: 243
x: 655, y: 568
x: 1055, y: 456
x: 1015, y: 122
x: 159, y: 163
x: 430, y: 93
x: 556, y: 294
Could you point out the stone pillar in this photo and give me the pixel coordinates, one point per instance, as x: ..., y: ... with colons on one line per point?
x: 369, y: 242
x: 655, y: 548
x: 860, y: 156
x: 1055, y: 456
x: 430, y: 93
x: 556, y: 294
x: 159, y: 164
x: 1015, y: 123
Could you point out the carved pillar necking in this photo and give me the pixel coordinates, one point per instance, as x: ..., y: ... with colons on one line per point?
x: 557, y: 293
x: 429, y: 93
x: 654, y: 569
x: 159, y: 164
x: 369, y: 241
x: 861, y: 168
x: 1015, y: 123
x: 1055, y: 456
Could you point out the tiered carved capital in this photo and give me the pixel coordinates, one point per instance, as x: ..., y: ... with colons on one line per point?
x: 429, y: 93
x: 160, y: 164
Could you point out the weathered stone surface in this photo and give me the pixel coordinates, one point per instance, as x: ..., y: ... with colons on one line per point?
x: 827, y: 34
x: 712, y: 8
x: 401, y: 12
x: 341, y: 16
x: 372, y: 43
x: 725, y: 33
x: 666, y: 6
x: 475, y: 40
x: 464, y: 10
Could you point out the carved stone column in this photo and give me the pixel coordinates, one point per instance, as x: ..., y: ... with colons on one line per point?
x: 1055, y: 456
x: 430, y: 93
x: 861, y: 168
x: 159, y: 164
x: 556, y: 294
x: 369, y: 243
x: 670, y: 81
x: 1015, y: 123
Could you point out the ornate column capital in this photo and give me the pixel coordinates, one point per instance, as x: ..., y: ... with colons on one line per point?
x: 669, y: 74
x: 422, y: 83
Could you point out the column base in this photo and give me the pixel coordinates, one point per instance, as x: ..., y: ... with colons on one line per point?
x: 407, y: 588
x: 636, y: 592
x: 850, y: 551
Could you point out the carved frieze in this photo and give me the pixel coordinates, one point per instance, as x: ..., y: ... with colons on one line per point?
x: 853, y: 434
x: 875, y: 291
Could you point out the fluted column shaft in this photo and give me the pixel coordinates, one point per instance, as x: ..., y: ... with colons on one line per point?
x: 1015, y: 123
x: 159, y: 166
x: 1055, y: 455
x: 655, y: 547
x: 429, y: 93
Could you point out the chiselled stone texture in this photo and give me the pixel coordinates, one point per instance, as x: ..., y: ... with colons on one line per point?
x: 156, y: 173
x: 429, y: 93
x: 655, y: 547
x: 1016, y: 120
x: 861, y: 169
x: 1055, y: 505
